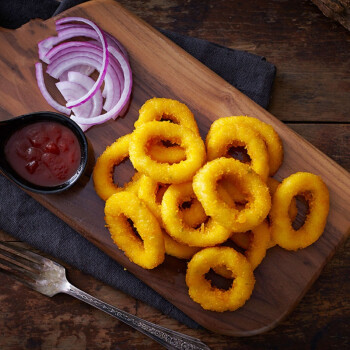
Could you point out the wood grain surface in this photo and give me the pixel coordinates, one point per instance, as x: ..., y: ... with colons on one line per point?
x: 162, y: 69
x: 316, y: 134
x: 339, y: 10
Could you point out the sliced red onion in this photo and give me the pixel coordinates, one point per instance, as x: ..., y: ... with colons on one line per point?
x: 88, y: 83
x: 59, y: 67
x: 104, y: 64
x: 71, y: 91
x: 73, y: 61
x: 45, y: 45
x: 70, y: 46
x: 86, y: 70
x: 69, y: 50
x: 77, y: 86
x: 73, y: 31
x: 45, y: 93
x: 62, y: 30
x: 116, y: 66
x: 117, y: 108
x: 70, y: 60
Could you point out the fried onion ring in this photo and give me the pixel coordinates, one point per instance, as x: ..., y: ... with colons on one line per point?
x: 147, y: 192
x: 255, y: 244
x: 122, y: 206
x: 220, y: 140
x: 160, y: 193
x: 259, y: 238
x: 230, y: 193
x: 266, y: 131
x: 243, y: 239
x: 178, y: 250
x: 147, y: 189
x: 157, y: 109
x: 103, y: 170
x: 208, y: 234
x: 195, y: 214
x: 164, y: 172
x: 293, y: 210
x: 272, y: 184
x: 214, y: 299
x: 316, y: 193
x: 249, y: 183
x: 163, y: 154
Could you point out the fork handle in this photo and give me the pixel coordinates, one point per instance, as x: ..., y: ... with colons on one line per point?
x: 168, y: 338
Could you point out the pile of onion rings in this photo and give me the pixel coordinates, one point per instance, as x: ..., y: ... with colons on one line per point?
x: 71, y: 61
x: 202, y: 204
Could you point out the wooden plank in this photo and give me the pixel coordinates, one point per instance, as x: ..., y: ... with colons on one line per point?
x: 331, y: 139
x: 338, y: 10
x: 321, y: 318
x: 162, y: 69
x: 309, y: 50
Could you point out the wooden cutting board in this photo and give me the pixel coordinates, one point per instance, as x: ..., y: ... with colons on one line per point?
x: 162, y: 69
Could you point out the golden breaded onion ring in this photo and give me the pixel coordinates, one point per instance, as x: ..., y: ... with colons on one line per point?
x: 146, y: 189
x: 220, y: 140
x: 157, y: 109
x: 266, y: 131
x: 148, y: 252
x: 147, y: 192
x: 162, y: 154
x: 195, y: 214
x: 259, y: 238
x: 250, y: 184
x: 254, y: 242
x: 272, y: 184
x: 177, y: 249
x: 165, y: 172
x: 214, y: 299
x: 208, y: 234
x: 230, y: 193
x: 243, y: 239
x: 316, y: 193
x: 103, y: 170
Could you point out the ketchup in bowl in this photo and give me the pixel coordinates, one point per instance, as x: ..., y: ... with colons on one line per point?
x: 44, y: 153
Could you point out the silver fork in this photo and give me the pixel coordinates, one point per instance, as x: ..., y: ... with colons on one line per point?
x: 49, y: 278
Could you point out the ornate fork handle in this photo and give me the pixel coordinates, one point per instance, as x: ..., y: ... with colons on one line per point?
x: 168, y: 338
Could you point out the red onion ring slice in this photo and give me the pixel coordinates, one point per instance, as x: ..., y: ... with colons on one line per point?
x: 70, y: 91
x: 62, y: 29
x: 42, y: 87
x: 72, y: 62
x: 66, y: 51
x: 83, y: 69
x: 104, y: 64
x: 87, y: 82
x: 124, y: 98
x: 112, y: 84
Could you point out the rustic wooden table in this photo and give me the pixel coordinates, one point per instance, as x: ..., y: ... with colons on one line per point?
x: 311, y: 95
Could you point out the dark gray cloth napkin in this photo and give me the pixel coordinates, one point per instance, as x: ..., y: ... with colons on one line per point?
x: 24, y: 218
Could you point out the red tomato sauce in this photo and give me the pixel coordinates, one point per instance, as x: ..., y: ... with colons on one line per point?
x: 44, y: 153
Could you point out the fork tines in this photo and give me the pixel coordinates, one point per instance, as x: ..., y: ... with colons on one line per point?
x: 19, y: 262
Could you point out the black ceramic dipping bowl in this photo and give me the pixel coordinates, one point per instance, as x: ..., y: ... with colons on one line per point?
x: 8, y: 127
